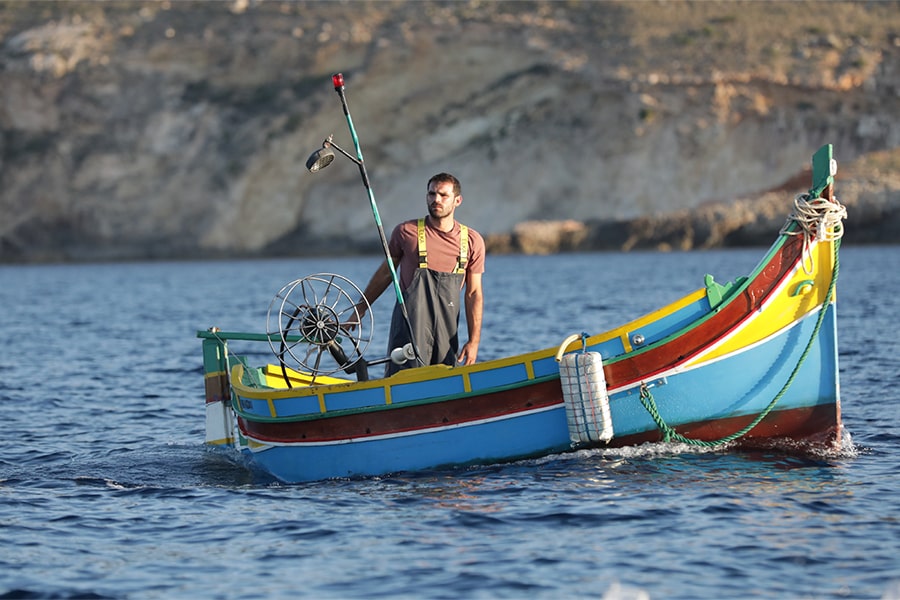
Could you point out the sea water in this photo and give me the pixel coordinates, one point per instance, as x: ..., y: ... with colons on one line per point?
x: 107, y: 490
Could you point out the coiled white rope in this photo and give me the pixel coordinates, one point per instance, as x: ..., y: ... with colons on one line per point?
x: 818, y: 219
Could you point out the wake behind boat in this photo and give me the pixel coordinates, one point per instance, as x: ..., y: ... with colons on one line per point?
x: 745, y: 363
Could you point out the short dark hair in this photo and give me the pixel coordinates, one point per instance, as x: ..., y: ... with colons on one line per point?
x: 446, y: 178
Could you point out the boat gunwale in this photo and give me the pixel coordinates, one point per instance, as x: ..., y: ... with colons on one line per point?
x: 271, y: 393
x: 343, y: 412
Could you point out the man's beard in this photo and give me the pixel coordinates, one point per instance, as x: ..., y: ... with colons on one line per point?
x: 435, y: 212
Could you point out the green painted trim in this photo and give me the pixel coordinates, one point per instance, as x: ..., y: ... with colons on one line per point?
x: 799, y: 287
x: 740, y: 284
x: 253, y: 376
x: 248, y: 337
x: 714, y: 291
x: 214, y: 353
x: 821, y: 170
x: 717, y: 293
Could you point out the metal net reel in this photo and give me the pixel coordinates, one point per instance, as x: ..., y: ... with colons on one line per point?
x: 314, y: 323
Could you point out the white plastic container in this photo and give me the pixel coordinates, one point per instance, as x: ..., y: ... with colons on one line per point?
x: 586, y: 398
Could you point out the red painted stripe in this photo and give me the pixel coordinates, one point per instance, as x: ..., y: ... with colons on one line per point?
x: 400, y: 418
x: 646, y: 365
x: 819, y: 425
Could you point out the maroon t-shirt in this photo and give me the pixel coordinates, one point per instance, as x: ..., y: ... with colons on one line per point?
x: 442, y: 249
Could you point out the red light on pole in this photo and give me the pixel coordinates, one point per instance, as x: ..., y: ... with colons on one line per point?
x: 338, y: 80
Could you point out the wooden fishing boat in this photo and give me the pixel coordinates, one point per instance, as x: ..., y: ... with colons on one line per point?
x: 750, y: 361
x: 745, y: 363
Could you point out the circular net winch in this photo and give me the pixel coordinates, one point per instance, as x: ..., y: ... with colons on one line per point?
x: 314, y: 323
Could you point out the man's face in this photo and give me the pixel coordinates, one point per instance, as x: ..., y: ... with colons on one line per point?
x: 441, y: 200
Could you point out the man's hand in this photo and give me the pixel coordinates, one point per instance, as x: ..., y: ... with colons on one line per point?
x: 468, y: 354
x: 353, y: 321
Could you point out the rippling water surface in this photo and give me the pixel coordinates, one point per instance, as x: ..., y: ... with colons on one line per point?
x: 107, y: 491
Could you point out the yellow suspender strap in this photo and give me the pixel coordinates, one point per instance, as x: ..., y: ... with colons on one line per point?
x: 463, y: 248
x: 423, y: 257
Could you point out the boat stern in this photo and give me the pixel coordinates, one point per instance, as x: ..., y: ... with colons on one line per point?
x: 220, y: 422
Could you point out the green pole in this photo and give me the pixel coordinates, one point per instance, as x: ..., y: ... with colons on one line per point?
x: 338, y: 80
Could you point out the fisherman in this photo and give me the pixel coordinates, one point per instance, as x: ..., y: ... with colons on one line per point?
x: 437, y: 257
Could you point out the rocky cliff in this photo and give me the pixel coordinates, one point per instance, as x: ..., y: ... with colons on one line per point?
x: 141, y: 130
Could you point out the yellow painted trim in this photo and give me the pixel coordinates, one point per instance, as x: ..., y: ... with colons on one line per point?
x: 422, y: 373
x: 214, y: 374
x: 623, y: 331
x: 275, y: 379
x: 662, y: 312
x: 330, y: 385
x: 297, y: 391
x: 220, y: 442
x: 785, y: 308
x: 271, y: 404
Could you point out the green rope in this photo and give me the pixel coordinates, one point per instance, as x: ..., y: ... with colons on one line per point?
x: 669, y: 433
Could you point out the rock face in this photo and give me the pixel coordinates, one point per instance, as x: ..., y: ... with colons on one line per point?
x: 869, y: 189
x: 141, y: 130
